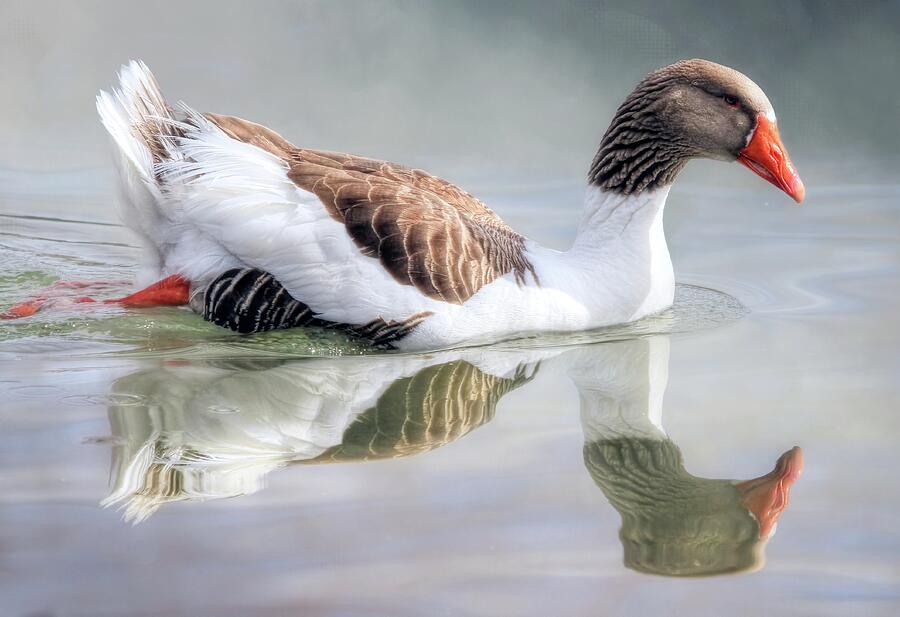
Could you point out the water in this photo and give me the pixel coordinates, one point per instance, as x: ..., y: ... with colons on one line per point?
x: 154, y: 464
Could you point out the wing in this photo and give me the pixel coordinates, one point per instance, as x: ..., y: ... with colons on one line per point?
x: 424, y: 231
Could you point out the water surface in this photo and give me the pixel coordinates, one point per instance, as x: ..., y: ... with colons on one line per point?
x: 154, y: 464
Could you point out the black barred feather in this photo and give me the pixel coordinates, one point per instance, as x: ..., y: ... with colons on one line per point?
x: 249, y: 300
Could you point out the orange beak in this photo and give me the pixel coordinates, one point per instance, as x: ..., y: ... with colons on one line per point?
x: 767, y: 496
x: 767, y: 157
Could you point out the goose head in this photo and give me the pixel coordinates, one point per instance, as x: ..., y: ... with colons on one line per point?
x: 692, y: 109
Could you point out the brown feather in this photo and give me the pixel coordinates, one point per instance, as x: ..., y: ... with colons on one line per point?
x: 425, y: 231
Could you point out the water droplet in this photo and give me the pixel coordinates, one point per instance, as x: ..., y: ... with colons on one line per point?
x: 222, y: 409
x: 112, y: 399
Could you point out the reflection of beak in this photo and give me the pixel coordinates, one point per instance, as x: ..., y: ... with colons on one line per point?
x: 767, y: 157
x: 767, y: 496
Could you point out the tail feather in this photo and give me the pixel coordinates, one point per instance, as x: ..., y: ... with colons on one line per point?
x: 143, y: 128
x: 138, y: 118
x: 181, y: 177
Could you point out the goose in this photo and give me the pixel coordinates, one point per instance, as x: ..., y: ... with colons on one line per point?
x: 254, y: 233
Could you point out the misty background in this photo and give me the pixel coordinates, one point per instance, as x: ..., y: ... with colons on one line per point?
x: 479, y: 92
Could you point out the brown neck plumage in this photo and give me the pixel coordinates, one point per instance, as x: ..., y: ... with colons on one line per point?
x: 638, y: 152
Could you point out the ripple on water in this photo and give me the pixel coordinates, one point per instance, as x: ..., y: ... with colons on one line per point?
x: 695, y: 308
x: 106, y: 400
x: 69, y: 328
x: 36, y: 391
x: 162, y: 332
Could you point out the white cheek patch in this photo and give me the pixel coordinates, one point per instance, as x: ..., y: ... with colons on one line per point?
x: 750, y: 136
x: 770, y: 116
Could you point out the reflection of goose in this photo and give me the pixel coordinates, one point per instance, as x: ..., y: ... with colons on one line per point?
x: 673, y: 523
x: 211, y: 431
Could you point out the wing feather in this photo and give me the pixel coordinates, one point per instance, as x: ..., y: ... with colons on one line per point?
x: 425, y: 231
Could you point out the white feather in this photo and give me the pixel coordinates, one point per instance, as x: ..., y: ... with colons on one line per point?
x: 237, y: 196
x: 136, y: 101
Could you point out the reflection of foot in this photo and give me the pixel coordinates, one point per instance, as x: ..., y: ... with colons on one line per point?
x: 59, y: 293
x: 171, y: 291
x: 767, y: 496
x: 24, y: 309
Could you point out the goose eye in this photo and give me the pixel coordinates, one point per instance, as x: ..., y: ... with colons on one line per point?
x: 730, y: 100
